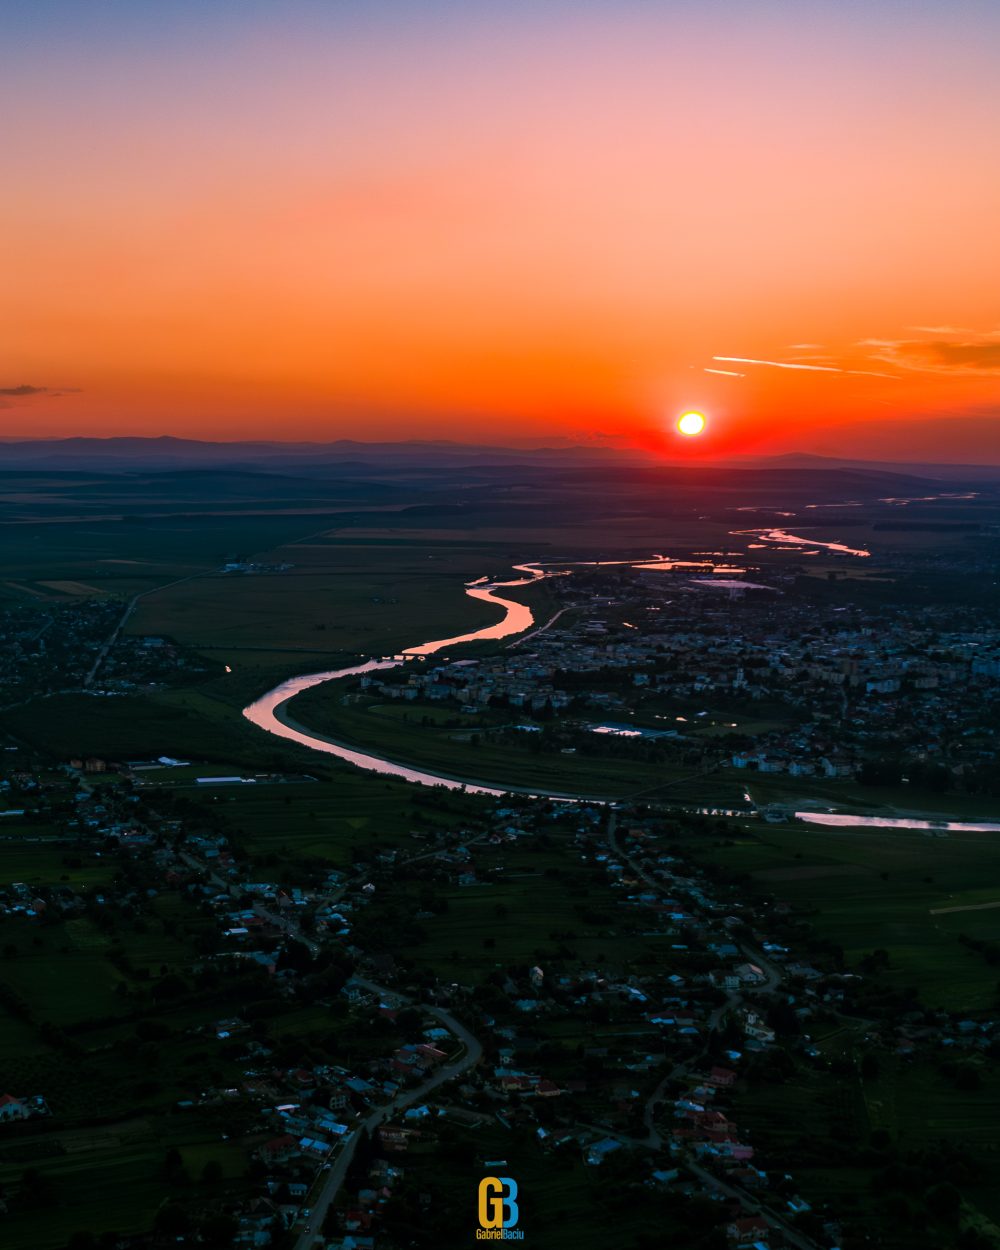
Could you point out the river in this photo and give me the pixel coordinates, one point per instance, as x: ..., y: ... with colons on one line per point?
x: 781, y: 538
x: 845, y: 819
x: 270, y: 713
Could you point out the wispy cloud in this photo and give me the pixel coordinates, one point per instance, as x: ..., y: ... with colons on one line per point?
x: 804, y: 347
x: 940, y: 330
x: 971, y: 356
x: 790, y: 364
x: 729, y: 373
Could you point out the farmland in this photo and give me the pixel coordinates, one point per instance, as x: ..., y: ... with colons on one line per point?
x: 402, y: 736
x: 866, y: 889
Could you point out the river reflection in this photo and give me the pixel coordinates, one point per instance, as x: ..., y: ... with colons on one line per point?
x: 270, y: 713
x: 782, y: 538
x: 843, y: 820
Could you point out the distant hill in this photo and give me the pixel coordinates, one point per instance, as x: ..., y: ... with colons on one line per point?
x: 926, y: 469
x: 167, y: 452
x: 352, y: 458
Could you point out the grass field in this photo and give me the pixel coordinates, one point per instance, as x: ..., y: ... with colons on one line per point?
x: 337, y: 597
x: 880, y: 889
x: 83, y: 1167
x: 331, y: 819
x: 809, y: 1120
x: 64, y: 970
x: 563, y: 1204
x: 542, y: 904
x: 384, y: 729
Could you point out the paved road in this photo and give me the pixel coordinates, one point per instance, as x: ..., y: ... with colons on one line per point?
x: 332, y: 1181
x: 535, y: 632
x: 335, y: 1177
x: 472, y: 1053
x: 654, y: 1139
x: 112, y: 638
x: 755, y: 1207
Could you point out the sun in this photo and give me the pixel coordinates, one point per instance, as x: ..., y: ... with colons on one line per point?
x: 691, y: 424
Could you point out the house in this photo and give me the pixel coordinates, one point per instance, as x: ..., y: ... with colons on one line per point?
x: 392, y: 1137
x: 12, y: 1109
x: 721, y: 1077
x: 747, y: 1231
x: 279, y: 1149
x: 599, y: 1151
x: 516, y: 1083
x: 754, y: 1027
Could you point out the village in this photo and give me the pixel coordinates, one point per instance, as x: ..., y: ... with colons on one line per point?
x: 329, y: 1145
x: 64, y: 641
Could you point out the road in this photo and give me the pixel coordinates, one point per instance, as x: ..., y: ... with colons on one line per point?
x: 333, y: 1180
x: 753, y: 1206
x: 654, y: 1139
x: 112, y: 638
x: 535, y: 632
x: 472, y: 1053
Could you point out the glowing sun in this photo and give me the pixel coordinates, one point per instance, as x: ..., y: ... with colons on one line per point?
x: 691, y: 423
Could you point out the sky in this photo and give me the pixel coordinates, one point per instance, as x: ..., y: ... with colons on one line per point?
x: 498, y: 221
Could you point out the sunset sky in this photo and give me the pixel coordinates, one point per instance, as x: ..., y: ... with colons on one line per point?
x: 490, y: 221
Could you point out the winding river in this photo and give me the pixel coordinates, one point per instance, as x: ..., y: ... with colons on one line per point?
x: 270, y: 713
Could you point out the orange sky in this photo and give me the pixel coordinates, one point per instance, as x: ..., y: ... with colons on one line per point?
x: 498, y: 221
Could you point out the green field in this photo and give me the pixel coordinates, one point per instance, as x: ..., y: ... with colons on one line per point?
x: 867, y: 889
x: 337, y: 597
x: 536, y: 901
x: 331, y: 820
x: 398, y: 734
x: 82, y: 1167
x: 820, y: 1125
x: 564, y: 1205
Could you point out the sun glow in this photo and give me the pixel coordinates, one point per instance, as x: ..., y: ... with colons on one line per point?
x: 691, y: 423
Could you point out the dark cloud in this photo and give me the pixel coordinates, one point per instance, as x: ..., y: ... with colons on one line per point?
x: 22, y: 391
x: 968, y: 355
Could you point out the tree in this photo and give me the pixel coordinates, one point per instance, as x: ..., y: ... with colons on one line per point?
x: 172, y: 1220
x: 944, y: 1201
x: 36, y: 1188
x: 169, y: 987
x: 296, y: 956
x: 967, y: 1078
x: 211, y: 1173
x: 218, y: 1231
x: 173, y: 1167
